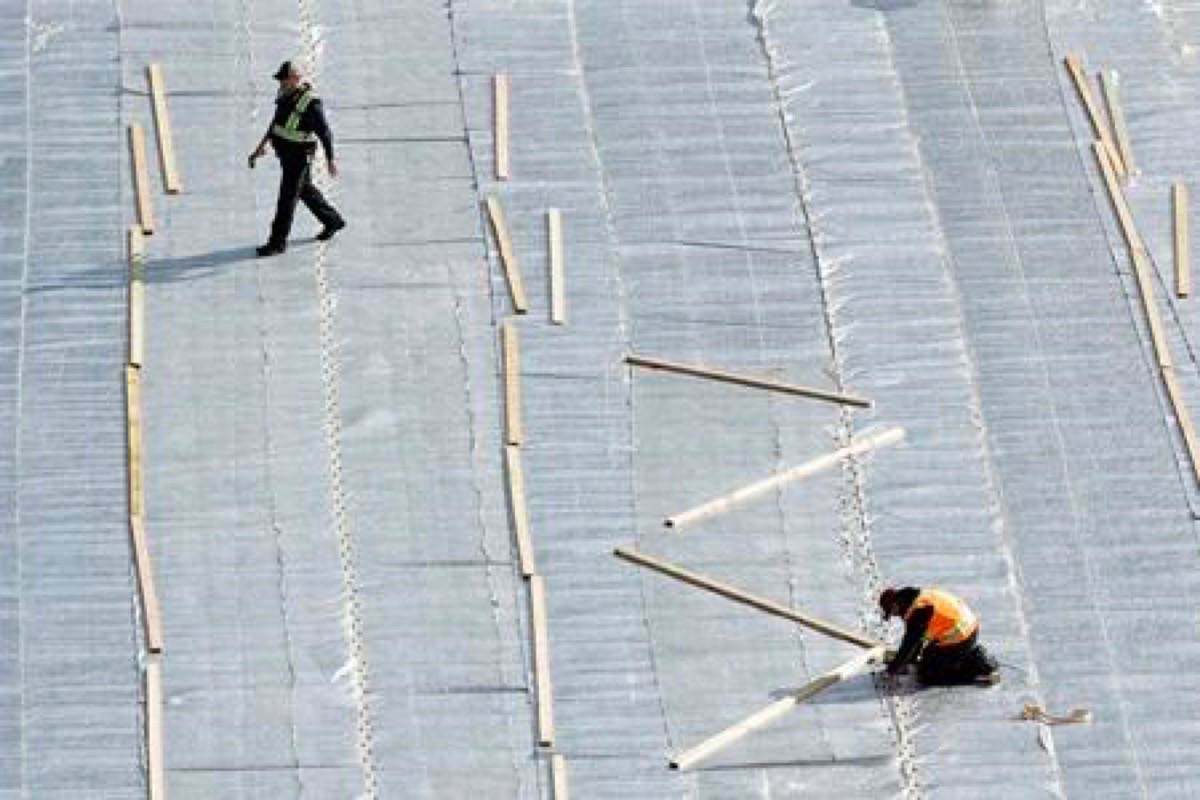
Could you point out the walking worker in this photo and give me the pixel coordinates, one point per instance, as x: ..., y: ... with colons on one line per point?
x: 299, y: 123
x: 941, y: 635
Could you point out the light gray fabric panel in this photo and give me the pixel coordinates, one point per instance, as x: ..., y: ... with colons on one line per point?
x: 69, y: 718
x: 257, y: 700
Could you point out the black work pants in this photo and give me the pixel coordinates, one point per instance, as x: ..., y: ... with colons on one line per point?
x: 296, y: 184
x: 954, y: 664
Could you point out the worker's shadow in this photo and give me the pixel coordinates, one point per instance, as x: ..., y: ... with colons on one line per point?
x: 201, y: 265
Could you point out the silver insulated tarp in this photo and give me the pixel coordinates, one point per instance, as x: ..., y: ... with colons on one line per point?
x: 893, y: 199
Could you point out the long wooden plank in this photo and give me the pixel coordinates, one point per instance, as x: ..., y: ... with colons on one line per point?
x: 520, y: 513
x: 1183, y: 417
x: 1110, y: 85
x: 508, y: 260
x: 1138, y: 256
x: 720, y: 505
x: 1183, y: 258
x: 558, y: 777
x: 1075, y: 68
x: 558, y: 291
x: 697, y: 371
x: 777, y: 709
x: 541, y: 662
x: 141, y: 179
x: 156, y: 768
x: 500, y: 86
x: 137, y: 303
x: 745, y: 598
x: 147, y: 589
x: 162, y: 124
x: 133, y: 403
x: 1142, y: 271
x: 514, y: 430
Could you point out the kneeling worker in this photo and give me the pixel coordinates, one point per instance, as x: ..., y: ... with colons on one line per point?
x: 940, y: 635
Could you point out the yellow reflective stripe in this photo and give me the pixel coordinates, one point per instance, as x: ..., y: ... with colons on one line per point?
x: 290, y: 130
x: 293, y: 120
x: 293, y: 136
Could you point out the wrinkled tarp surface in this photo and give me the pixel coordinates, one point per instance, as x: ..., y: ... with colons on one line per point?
x: 893, y: 198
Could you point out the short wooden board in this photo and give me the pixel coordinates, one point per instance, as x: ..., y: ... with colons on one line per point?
x: 500, y: 85
x: 514, y: 430
x: 520, y: 512
x: 156, y: 767
x: 133, y: 402
x: 541, y: 662
x: 1183, y: 258
x: 143, y: 567
x: 508, y: 260
x: 141, y: 179
x: 558, y: 290
x: 162, y: 124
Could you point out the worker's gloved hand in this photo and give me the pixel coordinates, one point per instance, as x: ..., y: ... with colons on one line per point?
x: 253, y: 157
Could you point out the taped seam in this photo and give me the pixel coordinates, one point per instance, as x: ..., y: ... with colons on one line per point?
x: 517, y: 607
x: 18, y: 454
x: 978, y: 418
x: 246, y: 35
x: 624, y: 326
x: 855, y: 527
x: 351, y: 603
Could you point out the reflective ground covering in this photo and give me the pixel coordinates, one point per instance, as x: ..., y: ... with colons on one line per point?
x: 892, y: 198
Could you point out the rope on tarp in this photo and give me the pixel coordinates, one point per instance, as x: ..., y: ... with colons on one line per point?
x: 1032, y: 712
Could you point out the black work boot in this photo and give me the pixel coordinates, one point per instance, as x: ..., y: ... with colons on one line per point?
x: 271, y: 249
x: 329, y: 230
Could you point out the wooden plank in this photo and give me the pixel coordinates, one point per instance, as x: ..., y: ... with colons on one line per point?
x: 514, y: 430
x: 1110, y: 85
x: 1075, y: 68
x: 500, y: 85
x: 857, y: 446
x: 1138, y: 256
x: 133, y: 403
x: 744, y: 380
x: 558, y: 291
x: 156, y: 768
x: 1183, y: 260
x: 512, y: 270
x: 147, y: 589
x: 1117, y: 197
x: 135, y: 244
x: 162, y: 124
x: 558, y: 777
x: 745, y: 598
x: 777, y: 709
x: 520, y: 513
x: 1183, y: 417
x: 137, y: 303
x: 141, y: 180
x: 137, y: 316
x: 541, y: 662
x: 1143, y: 273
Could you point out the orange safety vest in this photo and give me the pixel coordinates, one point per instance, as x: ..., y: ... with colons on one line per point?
x: 952, y: 621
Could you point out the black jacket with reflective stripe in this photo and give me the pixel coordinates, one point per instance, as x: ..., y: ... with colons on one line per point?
x: 313, y: 120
